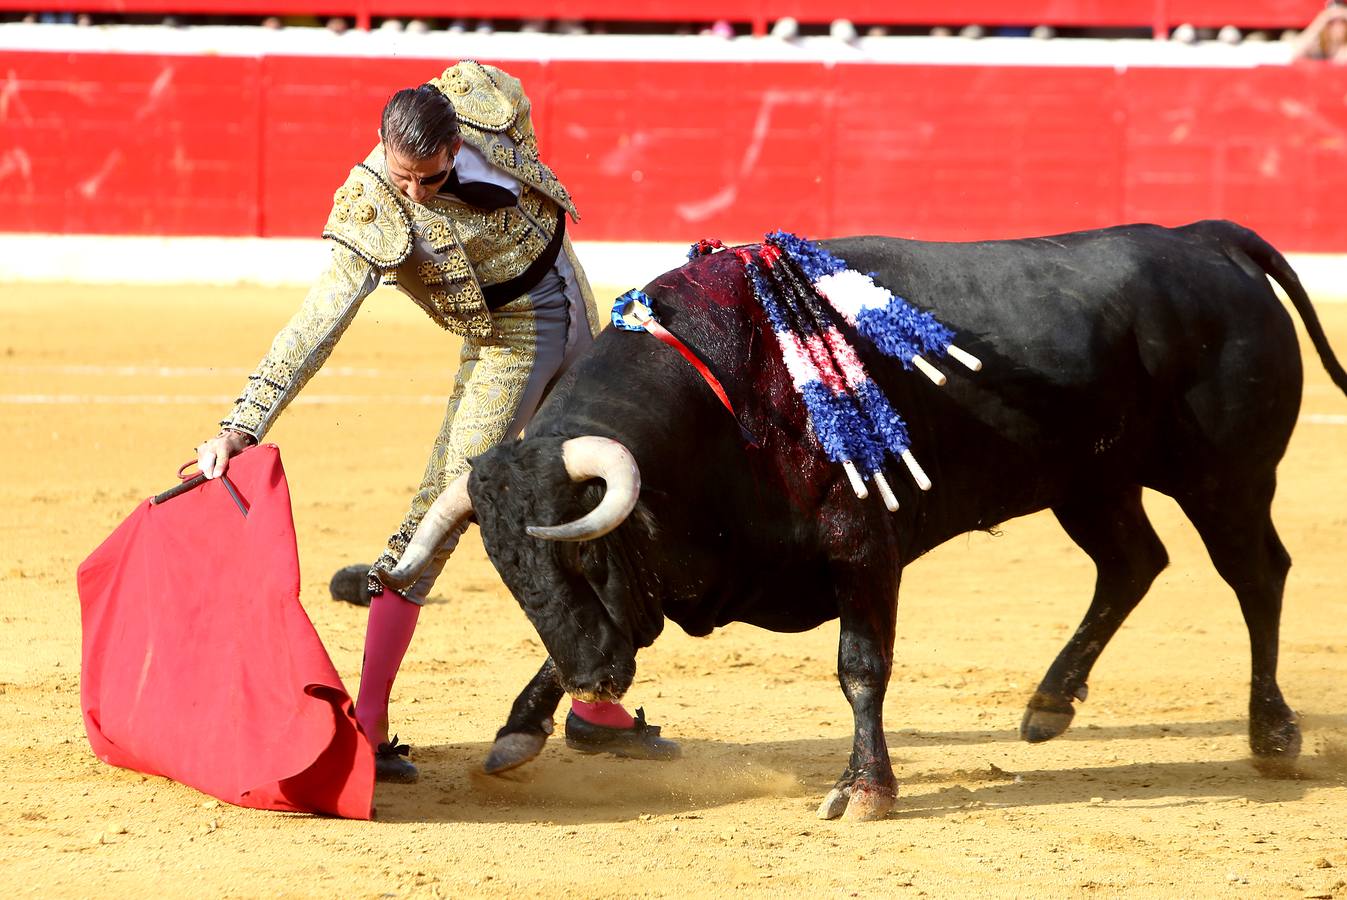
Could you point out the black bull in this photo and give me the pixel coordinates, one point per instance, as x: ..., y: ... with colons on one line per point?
x: 1114, y: 360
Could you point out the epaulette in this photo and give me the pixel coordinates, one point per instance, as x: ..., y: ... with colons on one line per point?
x: 367, y: 219
x: 478, y: 100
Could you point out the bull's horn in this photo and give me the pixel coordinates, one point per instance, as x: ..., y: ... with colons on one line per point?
x: 445, y: 514
x: 597, y: 457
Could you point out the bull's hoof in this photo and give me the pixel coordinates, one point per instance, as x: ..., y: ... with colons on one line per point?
x: 1275, y: 743
x: 835, y: 803
x: 510, y: 751
x: 858, y: 803
x: 1045, y: 718
x: 869, y: 804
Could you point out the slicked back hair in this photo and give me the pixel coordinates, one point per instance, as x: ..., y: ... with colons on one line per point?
x: 418, y: 122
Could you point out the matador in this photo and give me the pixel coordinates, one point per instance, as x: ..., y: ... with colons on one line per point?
x: 456, y: 209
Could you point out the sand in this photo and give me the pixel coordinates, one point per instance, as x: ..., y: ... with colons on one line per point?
x: 105, y: 391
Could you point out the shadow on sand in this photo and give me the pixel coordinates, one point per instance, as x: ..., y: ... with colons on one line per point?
x: 565, y: 787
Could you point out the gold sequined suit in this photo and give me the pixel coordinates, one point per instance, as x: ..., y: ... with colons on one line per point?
x: 441, y: 254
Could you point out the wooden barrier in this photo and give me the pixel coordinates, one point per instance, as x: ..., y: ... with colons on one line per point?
x: 668, y: 151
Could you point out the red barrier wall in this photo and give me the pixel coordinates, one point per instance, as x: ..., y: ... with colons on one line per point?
x: 121, y: 144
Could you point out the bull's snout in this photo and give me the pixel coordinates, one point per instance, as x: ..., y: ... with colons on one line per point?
x: 607, y: 685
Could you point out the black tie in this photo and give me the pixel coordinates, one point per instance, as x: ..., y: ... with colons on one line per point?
x: 480, y: 194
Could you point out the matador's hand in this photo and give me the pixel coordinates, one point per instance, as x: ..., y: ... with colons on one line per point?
x: 212, y: 456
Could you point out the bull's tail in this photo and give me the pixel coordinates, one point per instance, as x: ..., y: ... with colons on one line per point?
x: 1276, y: 266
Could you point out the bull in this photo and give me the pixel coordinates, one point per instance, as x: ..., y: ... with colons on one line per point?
x: 1114, y: 360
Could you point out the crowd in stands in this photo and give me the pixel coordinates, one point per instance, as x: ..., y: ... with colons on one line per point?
x: 1324, y: 38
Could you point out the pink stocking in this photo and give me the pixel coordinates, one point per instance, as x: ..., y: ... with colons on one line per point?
x: 392, y: 620
x: 611, y: 715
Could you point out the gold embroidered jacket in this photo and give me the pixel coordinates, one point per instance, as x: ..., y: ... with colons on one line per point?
x: 441, y: 253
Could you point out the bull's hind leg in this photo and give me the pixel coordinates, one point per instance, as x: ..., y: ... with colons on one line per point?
x: 1236, y: 527
x: 1127, y: 553
x: 525, y: 732
x: 867, y: 789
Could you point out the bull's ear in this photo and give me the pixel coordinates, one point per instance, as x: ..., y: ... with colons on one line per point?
x: 646, y: 519
x: 590, y: 559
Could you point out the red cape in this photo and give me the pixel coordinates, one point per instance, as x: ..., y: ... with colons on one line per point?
x: 200, y: 665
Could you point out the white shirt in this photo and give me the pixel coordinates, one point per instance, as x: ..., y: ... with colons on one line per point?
x: 471, y: 165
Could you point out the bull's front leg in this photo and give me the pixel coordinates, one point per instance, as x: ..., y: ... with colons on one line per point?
x: 525, y: 732
x: 867, y: 789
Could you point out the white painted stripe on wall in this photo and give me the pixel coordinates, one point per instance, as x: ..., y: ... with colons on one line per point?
x: 267, y: 262
x: 295, y: 262
x: 171, y: 371
x: 441, y: 46
x: 211, y: 399
x: 332, y: 400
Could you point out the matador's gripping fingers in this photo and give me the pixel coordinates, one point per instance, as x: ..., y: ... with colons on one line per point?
x: 212, y: 456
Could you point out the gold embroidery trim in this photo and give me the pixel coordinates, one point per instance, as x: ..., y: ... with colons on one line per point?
x: 477, y: 99
x: 368, y: 219
x: 488, y: 388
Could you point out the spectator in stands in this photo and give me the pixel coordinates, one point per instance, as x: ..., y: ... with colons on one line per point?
x: 1326, y: 37
x: 1184, y: 34
x: 463, y: 216
x: 720, y: 28
x: 843, y: 31
x: 786, y: 28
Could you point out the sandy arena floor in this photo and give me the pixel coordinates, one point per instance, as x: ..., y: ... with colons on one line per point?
x: 103, y: 392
